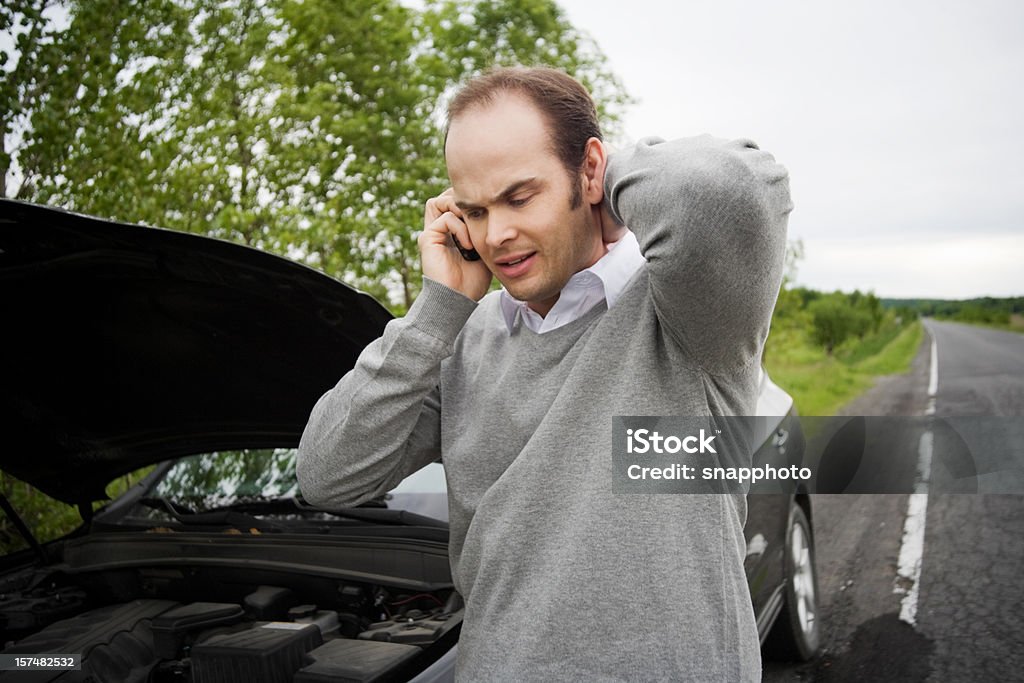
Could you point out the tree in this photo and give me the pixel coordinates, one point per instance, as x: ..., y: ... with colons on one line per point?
x: 363, y: 154
x: 833, y: 320
x: 84, y: 100
x: 870, y: 308
x: 309, y: 128
x: 465, y: 37
x: 31, y: 31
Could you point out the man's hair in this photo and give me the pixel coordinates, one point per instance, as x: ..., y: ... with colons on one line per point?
x: 561, y: 99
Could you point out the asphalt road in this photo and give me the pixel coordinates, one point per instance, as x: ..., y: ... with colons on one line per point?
x: 960, y: 617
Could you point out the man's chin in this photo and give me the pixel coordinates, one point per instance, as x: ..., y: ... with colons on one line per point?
x: 538, y: 301
x: 519, y: 292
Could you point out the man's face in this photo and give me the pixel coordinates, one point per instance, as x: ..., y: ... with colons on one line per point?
x: 515, y: 196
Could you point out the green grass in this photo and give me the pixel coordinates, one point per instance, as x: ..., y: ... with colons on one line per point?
x: 859, y: 350
x: 895, y: 357
x: 820, y: 384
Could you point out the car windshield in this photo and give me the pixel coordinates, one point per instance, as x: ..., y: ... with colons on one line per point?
x: 218, y: 480
x: 213, y: 480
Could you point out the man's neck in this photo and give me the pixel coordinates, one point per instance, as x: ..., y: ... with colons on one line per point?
x: 542, y: 308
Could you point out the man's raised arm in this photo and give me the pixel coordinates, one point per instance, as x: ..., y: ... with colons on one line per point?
x: 381, y: 422
x: 710, y: 216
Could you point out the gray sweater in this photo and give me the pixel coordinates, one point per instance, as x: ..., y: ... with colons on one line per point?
x: 562, y: 579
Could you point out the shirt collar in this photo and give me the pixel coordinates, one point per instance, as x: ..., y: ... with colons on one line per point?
x: 603, y: 281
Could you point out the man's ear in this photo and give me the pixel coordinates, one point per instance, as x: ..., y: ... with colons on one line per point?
x: 595, y: 159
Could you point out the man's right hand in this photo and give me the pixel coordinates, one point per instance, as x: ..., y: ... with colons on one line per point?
x: 442, y: 262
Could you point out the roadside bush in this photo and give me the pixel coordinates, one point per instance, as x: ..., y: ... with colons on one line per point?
x: 834, y: 320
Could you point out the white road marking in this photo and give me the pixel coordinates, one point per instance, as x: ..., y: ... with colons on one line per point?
x: 911, y: 551
x: 912, y: 546
x: 933, y: 375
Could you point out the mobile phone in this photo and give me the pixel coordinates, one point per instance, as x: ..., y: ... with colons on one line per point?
x: 468, y: 254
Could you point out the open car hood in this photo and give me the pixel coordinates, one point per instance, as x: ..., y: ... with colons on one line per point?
x: 126, y: 345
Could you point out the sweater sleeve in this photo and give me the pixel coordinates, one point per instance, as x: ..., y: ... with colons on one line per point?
x: 381, y: 422
x: 710, y: 216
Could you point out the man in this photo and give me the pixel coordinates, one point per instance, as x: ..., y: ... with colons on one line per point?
x: 515, y: 390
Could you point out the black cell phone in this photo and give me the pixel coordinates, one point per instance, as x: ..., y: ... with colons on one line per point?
x: 468, y: 254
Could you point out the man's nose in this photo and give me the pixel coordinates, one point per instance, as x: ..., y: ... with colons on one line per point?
x: 500, y: 228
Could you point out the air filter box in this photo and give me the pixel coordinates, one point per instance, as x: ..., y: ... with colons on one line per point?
x: 269, y: 652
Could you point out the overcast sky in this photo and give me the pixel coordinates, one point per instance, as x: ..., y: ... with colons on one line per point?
x: 900, y: 122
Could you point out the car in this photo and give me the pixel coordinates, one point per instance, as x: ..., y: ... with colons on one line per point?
x: 131, y: 347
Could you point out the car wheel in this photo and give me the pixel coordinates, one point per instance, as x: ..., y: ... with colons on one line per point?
x: 796, y: 634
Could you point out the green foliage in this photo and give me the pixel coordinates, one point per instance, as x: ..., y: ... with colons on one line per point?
x: 974, y: 313
x: 825, y: 349
x: 837, y: 317
x: 853, y: 352
x: 87, y: 101
x: 308, y: 128
x: 25, y: 88
x: 903, y: 312
x: 821, y: 383
x: 1002, y: 313
x: 988, y: 310
x: 45, y: 517
x: 467, y: 37
x: 896, y: 355
x: 833, y: 321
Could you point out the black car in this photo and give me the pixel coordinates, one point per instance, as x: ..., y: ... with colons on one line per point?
x: 128, y: 347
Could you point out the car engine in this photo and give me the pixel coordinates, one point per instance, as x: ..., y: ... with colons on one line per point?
x: 216, y: 625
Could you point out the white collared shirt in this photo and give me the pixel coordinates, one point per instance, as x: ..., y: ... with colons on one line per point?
x: 603, y: 281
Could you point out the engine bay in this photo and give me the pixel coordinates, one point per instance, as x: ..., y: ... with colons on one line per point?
x: 178, y: 622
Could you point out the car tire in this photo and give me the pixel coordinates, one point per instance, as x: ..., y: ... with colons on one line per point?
x: 796, y: 633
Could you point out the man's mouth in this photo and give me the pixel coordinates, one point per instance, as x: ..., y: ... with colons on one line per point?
x: 515, y: 265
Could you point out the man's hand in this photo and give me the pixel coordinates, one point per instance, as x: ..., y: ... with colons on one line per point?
x: 442, y: 222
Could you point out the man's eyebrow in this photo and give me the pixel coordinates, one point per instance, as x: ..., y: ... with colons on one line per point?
x: 504, y: 194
